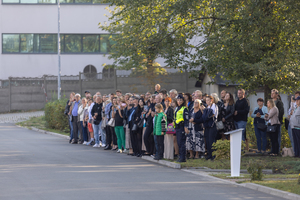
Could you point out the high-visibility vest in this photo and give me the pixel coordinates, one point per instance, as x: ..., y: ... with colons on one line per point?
x: 179, y: 115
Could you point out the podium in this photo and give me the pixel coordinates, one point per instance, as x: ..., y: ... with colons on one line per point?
x: 235, y: 151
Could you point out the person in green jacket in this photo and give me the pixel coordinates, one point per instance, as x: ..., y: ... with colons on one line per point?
x: 158, y: 131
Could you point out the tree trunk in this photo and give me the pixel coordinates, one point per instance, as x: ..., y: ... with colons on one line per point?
x: 150, y: 76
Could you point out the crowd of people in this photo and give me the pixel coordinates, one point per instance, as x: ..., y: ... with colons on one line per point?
x: 175, y: 125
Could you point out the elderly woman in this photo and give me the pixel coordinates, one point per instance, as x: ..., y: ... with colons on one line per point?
x: 273, y: 126
x: 295, y: 126
x: 195, y: 139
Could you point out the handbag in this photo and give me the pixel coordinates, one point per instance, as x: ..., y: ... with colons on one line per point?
x: 262, y: 126
x: 111, y: 122
x: 134, y: 128
x: 220, y: 125
x: 171, y: 129
x: 271, y: 129
x: 163, y: 125
x: 103, y: 125
x: 287, y: 152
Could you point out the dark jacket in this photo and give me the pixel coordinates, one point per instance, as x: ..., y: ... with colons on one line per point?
x: 198, y: 126
x: 97, y: 108
x: 221, y: 109
x: 280, y: 107
x: 207, y: 117
x: 136, y: 117
x: 229, y: 113
x: 170, y: 115
x: 242, y: 107
x: 149, y: 119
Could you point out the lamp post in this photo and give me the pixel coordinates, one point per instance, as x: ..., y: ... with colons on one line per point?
x: 58, y: 52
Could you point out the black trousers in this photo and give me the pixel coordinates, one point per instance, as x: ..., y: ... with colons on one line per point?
x: 108, y: 136
x: 161, y: 145
x: 76, y: 126
x: 136, y: 140
x: 181, y: 141
x: 149, y: 140
x: 274, y: 139
x: 114, y: 136
x: 296, y: 138
x: 210, y: 137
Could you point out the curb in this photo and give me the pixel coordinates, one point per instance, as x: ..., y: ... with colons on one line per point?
x: 162, y: 162
x: 44, y: 132
x: 253, y: 186
x: 272, y: 191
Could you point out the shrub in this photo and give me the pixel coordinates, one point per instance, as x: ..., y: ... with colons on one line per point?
x: 222, y: 149
x: 255, y: 168
x: 55, y: 117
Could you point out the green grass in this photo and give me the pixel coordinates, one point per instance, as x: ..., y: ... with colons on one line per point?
x: 266, y: 176
x: 40, y: 123
x: 285, y: 185
x: 280, y: 165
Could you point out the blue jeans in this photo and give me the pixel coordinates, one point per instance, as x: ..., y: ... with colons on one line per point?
x: 84, y: 132
x: 261, y: 136
x: 291, y: 137
x: 241, y: 124
x: 71, y: 127
x: 96, y: 132
x: 103, y: 134
x: 156, y: 145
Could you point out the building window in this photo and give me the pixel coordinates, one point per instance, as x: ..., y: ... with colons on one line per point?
x: 47, y: 43
x: 52, y: 1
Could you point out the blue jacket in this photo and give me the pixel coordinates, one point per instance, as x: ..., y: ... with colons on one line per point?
x: 207, y: 117
x: 198, y: 121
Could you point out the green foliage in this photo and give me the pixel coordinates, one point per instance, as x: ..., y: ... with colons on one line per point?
x: 222, y: 149
x: 254, y: 168
x: 54, y: 115
x: 254, y: 43
x: 299, y: 179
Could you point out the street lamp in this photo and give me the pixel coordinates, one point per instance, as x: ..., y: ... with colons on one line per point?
x: 58, y: 52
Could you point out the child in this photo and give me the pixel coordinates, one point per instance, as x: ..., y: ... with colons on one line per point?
x: 159, y: 131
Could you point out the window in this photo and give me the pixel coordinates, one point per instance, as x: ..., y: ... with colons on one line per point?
x: 26, y: 43
x: 10, y: 43
x: 47, y: 43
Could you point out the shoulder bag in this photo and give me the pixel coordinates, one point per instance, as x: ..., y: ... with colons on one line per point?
x: 171, y: 129
x: 111, y: 122
x: 271, y: 129
x: 262, y: 126
x: 163, y: 125
x: 220, y: 125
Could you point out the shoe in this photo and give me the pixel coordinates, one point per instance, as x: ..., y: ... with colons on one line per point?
x: 156, y: 158
x: 118, y: 151
x: 107, y: 148
x: 114, y: 149
x: 74, y: 142
x: 70, y: 141
x: 152, y: 156
x: 96, y: 145
x: 181, y: 160
x: 258, y: 152
x: 103, y: 145
x: 100, y: 143
x: 124, y: 151
x: 85, y: 142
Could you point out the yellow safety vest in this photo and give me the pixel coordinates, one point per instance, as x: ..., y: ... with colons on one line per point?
x: 179, y: 115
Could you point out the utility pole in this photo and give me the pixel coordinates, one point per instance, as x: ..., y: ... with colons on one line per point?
x: 58, y: 52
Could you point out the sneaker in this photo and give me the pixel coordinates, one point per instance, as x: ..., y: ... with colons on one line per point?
x: 118, y: 151
x: 96, y: 145
x: 121, y: 151
x: 85, y: 142
x: 100, y: 143
x: 152, y: 156
x: 124, y: 151
x: 103, y: 145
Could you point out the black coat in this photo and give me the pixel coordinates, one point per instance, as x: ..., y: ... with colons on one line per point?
x: 229, y: 113
x: 170, y: 115
x: 97, y: 108
x: 198, y: 126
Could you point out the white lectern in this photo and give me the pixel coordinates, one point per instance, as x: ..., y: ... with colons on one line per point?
x: 235, y: 151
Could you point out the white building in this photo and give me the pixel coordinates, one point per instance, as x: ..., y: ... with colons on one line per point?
x: 28, y: 39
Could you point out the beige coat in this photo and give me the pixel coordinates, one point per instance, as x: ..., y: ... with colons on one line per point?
x: 273, y: 116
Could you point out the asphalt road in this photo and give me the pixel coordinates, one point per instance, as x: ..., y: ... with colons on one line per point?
x: 39, y: 166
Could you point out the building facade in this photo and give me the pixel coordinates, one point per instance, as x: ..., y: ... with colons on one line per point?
x: 28, y: 39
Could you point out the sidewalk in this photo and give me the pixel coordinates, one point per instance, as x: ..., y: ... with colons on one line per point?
x: 19, y: 117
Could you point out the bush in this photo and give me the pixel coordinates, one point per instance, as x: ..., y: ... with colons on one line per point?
x: 254, y: 168
x: 222, y: 149
x: 55, y: 117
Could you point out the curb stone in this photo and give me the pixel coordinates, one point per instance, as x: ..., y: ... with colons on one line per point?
x: 45, y: 132
x: 163, y: 162
x: 253, y: 186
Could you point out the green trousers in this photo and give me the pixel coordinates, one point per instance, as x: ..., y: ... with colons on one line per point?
x: 120, y: 136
